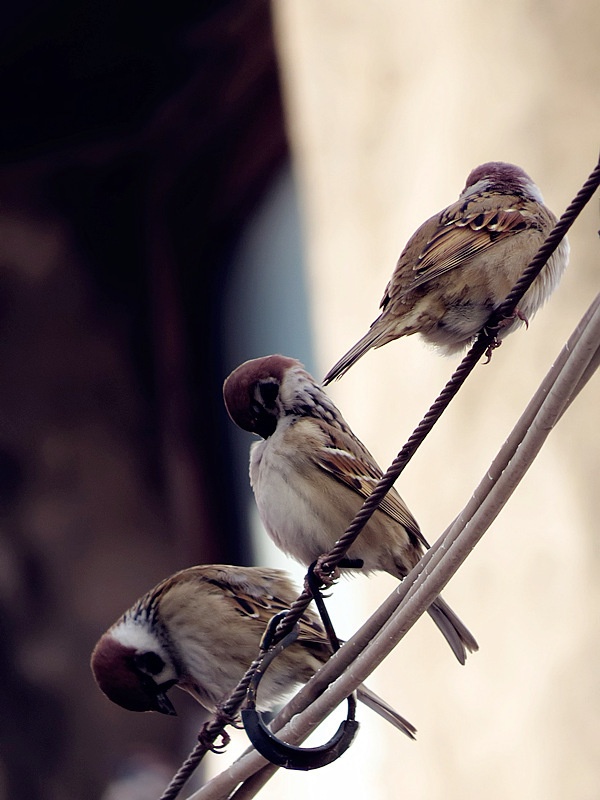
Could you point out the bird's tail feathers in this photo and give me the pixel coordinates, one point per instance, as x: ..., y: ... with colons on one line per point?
x: 377, y: 704
x: 371, y: 339
x: 458, y: 636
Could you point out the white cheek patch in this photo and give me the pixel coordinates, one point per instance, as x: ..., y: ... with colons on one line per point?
x: 138, y: 636
x: 133, y: 634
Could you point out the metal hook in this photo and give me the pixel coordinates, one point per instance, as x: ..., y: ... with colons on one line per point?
x: 268, y: 745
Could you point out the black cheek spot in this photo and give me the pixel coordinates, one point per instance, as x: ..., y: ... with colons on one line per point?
x: 269, y: 391
x: 150, y: 663
x: 265, y: 423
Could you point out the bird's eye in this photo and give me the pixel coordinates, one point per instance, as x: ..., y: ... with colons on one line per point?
x: 268, y: 391
x: 150, y: 663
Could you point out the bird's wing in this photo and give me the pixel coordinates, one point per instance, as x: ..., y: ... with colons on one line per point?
x: 344, y: 457
x: 453, y: 238
x: 268, y: 595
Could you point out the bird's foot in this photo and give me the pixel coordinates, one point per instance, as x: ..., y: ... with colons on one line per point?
x: 215, y: 728
x: 496, y: 330
x: 207, y: 738
x: 517, y: 314
x: 490, y: 349
x: 322, y: 571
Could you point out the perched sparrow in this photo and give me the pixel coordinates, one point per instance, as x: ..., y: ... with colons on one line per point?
x: 311, y: 475
x: 200, y: 630
x: 462, y: 263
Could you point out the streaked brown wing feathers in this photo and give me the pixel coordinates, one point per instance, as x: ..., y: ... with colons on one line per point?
x: 453, y: 239
x: 361, y: 474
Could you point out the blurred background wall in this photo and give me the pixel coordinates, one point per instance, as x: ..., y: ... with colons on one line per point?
x: 137, y: 144
x: 186, y: 187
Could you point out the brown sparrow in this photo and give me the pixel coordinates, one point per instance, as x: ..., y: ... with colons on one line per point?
x: 462, y: 263
x: 200, y: 630
x: 311, y: 475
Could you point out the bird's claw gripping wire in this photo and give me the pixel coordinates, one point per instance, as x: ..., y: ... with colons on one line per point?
x: 268, y: 745
x: 207, y: 736
x: 328, y: 574
x: 493, y: 331
x: 206, y: 739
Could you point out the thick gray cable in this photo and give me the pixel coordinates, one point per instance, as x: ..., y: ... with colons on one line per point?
x: 573, y: 368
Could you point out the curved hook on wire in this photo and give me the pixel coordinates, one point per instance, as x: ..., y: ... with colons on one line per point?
x: 268, y: 745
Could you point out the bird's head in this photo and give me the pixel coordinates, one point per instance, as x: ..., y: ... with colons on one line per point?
x: 253, y: 393
x: 501, y: 177
x: 133, y: 668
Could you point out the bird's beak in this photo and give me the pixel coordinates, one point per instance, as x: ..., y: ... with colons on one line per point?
x: 164, y: 705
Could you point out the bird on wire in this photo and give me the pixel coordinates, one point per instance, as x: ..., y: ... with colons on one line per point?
x: 311, y: 474
x: 200, y: 630
x: 459, y: 266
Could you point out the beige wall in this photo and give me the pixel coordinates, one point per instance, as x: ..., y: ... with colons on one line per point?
x: 390, y: 105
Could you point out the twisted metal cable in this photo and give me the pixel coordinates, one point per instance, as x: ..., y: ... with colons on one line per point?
x: 185, y: 772
x: 210, y: 733
x: 484, y: 342
x: 247, y: 776
x: 507, y: 307
x: 329, y: 561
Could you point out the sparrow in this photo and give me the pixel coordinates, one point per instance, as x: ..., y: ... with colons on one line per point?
x: 200, y: 630
x: 462, y: 263
x: 310, y: 476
